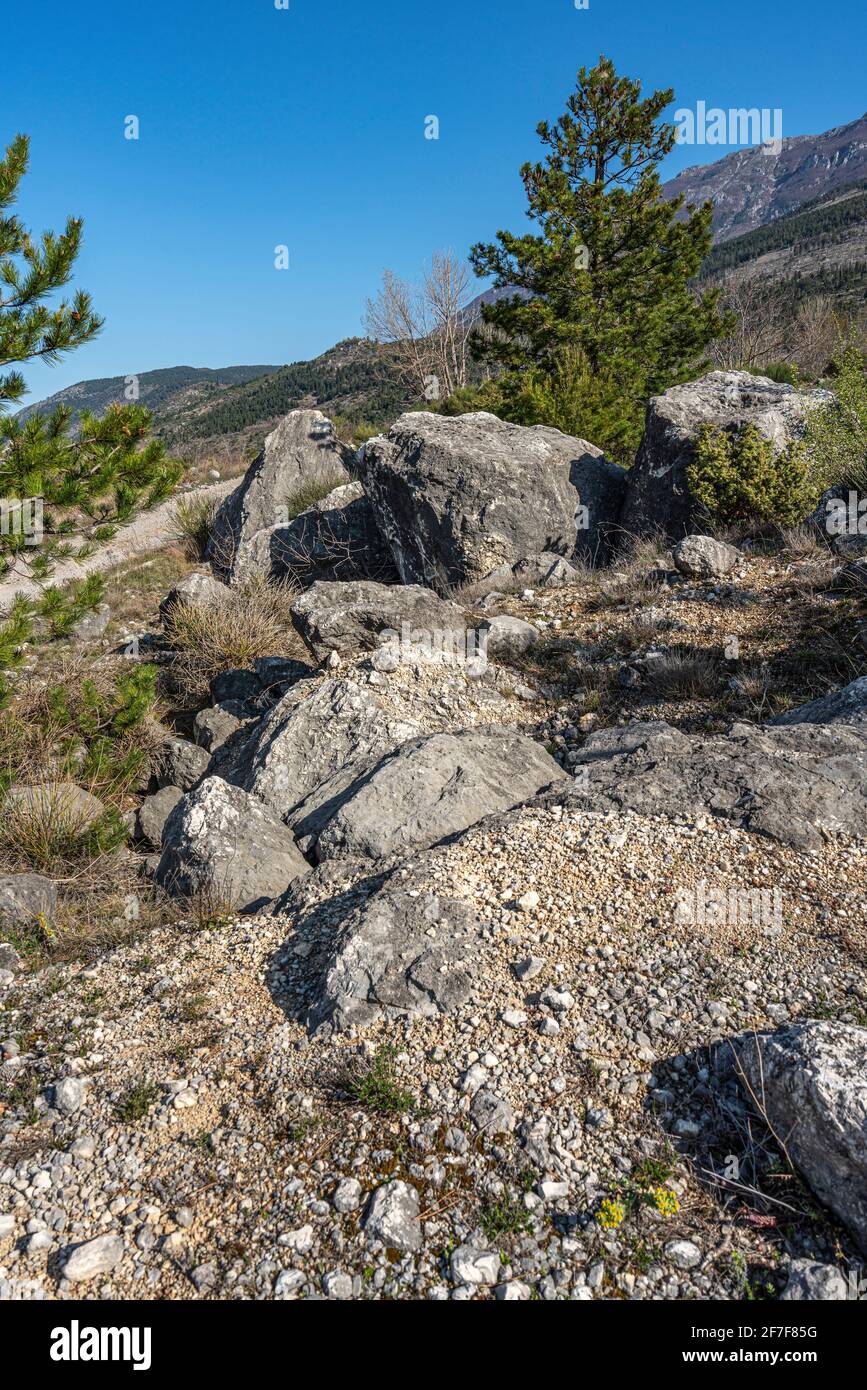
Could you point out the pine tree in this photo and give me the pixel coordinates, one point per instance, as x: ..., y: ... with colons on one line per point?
x: 85, y: 481
x: 607, y: 278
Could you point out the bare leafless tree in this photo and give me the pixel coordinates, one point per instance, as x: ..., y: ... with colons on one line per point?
x: 760, y: 333
x: 427, y: 324
x: 817, y: 331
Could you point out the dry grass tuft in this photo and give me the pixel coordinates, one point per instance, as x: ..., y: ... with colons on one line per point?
x: 229, y: 633
x: 685, y: 671
x: 192, y: 520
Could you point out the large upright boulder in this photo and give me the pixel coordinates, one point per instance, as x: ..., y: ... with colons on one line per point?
x: 351, y: 618
x: 658, y: 498
x: 303, y: 451
x: 335, y: 539
x: 456, y: 497
x: 809, y: 1082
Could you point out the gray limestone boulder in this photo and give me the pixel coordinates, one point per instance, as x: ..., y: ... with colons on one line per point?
x: 809, y: 1080
x: 153, y: 814
x: 845, y: 706
x: 196, y: 589
x: 335, y: 539
x: 658, y: 499
x: 24, y: 897
x: 797, y: 785
x: 302, y: 452
x: 702, y: 557
x: 222, y: 843
x: 319, y: 739
x: 181, y: 764
x: 428, y: 789
x: 398, y: 954
x: 354, y: 618
x: 457, y: 497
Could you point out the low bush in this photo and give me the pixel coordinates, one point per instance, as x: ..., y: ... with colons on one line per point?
x: 308, y: 493
x: 737, y: 475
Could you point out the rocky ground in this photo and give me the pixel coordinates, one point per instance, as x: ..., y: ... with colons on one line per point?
x: 557, y: 1137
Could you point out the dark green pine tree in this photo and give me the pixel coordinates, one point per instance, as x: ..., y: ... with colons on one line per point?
x: 607, y: 277
x: 88, y: 480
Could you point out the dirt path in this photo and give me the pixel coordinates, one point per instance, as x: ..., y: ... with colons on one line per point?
x: 150, y: 531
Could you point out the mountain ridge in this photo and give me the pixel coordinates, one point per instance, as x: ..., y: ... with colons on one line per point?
x: 751, y: 187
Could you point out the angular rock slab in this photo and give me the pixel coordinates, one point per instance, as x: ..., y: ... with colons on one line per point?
x: 431, y: 788
x: 456, y: 497
x: 397, y: 954
x: 92, y: 1258
x: 658, y: 499
x: 302, y: 449
x: 351, y: 618
x: 392, y: 1217
x: 221, y: 842
x: 153, y: 814
x: 308, y: 740
x: 547, y: 571
x: 796, y: 785
x: 810, y: 1080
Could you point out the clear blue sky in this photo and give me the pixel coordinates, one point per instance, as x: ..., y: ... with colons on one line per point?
x: 305, y: 127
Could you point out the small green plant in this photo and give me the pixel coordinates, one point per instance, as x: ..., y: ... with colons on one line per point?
x: 137, y: 1102
x: 737, y: 476
x: 375, y: 1086
x: 647, y: 1187
x: 786, y: 373
x: 94, y: 729
x: 752, y: 1290
x: 611, y: 1214
x: 193, y: 1009
x: 22, y: 1095
x: 505, y: 1215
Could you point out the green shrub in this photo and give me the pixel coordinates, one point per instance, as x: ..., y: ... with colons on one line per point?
x: 308, y: 493
x: 247, y: 621
x: 736, y: 476
x: 836, y: 434
x: 572, y: 398
x: 47, y: 831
